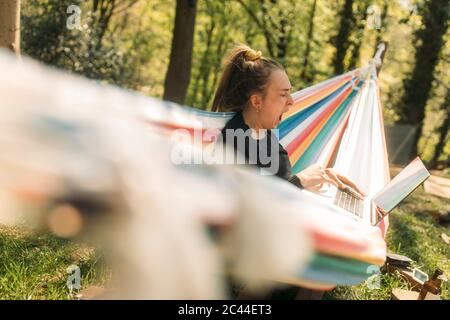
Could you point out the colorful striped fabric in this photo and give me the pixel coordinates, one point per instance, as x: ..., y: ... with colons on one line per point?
x: 316, y: 119
x: 309, y: 131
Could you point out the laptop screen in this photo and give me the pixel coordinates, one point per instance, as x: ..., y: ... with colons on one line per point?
x: 413, y: 175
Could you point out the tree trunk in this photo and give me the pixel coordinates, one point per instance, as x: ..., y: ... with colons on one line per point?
x: 360, y: 24
x: 282, y: 42
x: 104, y: 10
x: 305, y: 76
x: 10, y: 25
x: 418, y: 87
x: 204, y: 68
x: 276, y: 34
x: 220, y: 51
x: 442, y: 132
x: 341, y: 40
x: 179, y: 71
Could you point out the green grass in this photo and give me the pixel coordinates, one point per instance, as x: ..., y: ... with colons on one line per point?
x: 412, y: 232
x: 33, y: 266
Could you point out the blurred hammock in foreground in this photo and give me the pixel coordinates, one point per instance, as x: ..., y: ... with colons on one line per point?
x: 76, y: 158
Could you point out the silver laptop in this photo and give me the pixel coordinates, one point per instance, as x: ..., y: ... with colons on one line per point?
x: 350, y: 204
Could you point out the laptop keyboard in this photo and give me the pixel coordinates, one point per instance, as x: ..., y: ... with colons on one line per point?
x: 349, y: 202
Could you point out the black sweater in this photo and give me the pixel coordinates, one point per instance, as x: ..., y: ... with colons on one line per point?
x: 284, y: 165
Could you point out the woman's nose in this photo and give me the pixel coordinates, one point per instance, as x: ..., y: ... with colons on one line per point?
x: 289, y: 102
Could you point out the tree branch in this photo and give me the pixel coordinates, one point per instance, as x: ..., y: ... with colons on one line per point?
x: 261, y: 25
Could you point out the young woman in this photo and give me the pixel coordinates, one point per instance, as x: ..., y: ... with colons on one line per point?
x: 258, y: 90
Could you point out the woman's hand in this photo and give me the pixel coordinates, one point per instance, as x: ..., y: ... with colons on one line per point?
x: 344, y: 182
x: 314, y: 177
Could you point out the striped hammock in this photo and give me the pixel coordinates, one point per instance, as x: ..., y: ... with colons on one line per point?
x: 336, y: 123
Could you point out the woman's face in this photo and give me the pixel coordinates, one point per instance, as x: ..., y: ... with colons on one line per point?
x: 276, y: 101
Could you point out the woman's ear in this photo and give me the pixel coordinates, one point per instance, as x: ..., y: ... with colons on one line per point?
x: 256, y: 102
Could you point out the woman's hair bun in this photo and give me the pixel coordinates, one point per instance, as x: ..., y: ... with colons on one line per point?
x: 252, y: 55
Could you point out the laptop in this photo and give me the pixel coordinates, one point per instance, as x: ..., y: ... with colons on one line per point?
x: 349, y: 203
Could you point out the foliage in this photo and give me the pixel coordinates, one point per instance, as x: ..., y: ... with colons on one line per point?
x: 131, y: 48
x: 46, y: 37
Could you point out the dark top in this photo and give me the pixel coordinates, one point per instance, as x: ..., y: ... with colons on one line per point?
x: 261, y: 149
